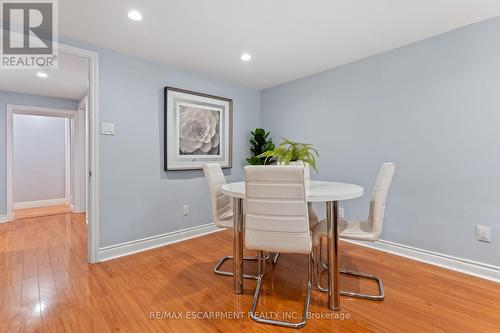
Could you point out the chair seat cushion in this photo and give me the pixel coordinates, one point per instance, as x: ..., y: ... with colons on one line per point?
x: 313, y: 217
x: 358, y: 230
x: 226, y: 220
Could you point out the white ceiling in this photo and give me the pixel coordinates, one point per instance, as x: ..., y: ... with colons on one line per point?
x: 70, y: 80
x: 288, y: 39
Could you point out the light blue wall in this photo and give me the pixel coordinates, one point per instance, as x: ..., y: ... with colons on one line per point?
x: 138, y: 199
x: 39, y: 168
x: 432, y: 107
x: 21, y: 99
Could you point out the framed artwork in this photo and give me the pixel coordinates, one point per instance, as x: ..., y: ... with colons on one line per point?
x: 198, y: 130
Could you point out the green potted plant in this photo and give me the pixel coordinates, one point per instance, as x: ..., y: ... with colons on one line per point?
x: 290, y: 151
x: 260, y: 143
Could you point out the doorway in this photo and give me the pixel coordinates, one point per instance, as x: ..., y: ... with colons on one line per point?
x: 44, y: 153
x: 42, y: 164
x: 83, y: 129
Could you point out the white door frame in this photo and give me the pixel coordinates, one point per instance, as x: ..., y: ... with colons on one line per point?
x: 79, y: 156
x: 92, y: 176
x: 68, y: 143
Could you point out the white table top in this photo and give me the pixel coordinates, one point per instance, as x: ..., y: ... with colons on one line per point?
x: 316, y: 191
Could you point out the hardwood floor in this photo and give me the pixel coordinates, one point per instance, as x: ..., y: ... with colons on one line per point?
x: 27, y: 213
x: 47, y: 286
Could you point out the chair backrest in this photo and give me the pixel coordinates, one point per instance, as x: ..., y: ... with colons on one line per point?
x: 221, y: 203
x: 276, y: 210
x: 307, y: 168
x: 379, y: 197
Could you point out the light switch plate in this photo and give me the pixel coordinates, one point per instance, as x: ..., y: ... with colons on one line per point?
x: 108, y: 129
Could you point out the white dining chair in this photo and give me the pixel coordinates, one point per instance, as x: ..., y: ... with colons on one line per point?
x: 277, y: 221
x: 368, y: 230
x: 222, y: 211
x: 313, y: 217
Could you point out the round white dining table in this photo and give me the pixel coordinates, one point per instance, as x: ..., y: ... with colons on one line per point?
x: 316, y: 191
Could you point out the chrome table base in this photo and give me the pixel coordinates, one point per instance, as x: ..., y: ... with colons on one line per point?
x: 238, y: 246
x: 332, y: 235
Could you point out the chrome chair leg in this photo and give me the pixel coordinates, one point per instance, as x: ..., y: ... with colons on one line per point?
x: 263, y: 320
x: 316, y: 266
x: 324, y: 264
x: 226, y: 273
x: 378, y: 297
x: 275, y: 258
x: 272, y: 257
x: 261, y: 264
x: 380, y: 284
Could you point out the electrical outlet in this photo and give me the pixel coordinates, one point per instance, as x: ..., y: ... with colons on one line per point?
x: 483, y: 233
x: 341, y: 212
x: 185, y: 210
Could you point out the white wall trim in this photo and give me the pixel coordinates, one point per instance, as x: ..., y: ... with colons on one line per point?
x: 67, y: 160
x: 41, y: 111
x: 79, y: 158
x: 478, y: 269
x: 39, y: 203
x: 127, y: 248
x: 93, y: 147
x: 9, y: 162
x: 4, y: 218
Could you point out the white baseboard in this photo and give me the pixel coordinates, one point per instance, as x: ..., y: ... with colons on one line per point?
x: 482, y: 270
x: 4, y: 218
x: 40, y: 203
x: 127, y: 248
x: 82, y: 211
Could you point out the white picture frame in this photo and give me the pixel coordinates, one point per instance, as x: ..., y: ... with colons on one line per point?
x: 198, y: 130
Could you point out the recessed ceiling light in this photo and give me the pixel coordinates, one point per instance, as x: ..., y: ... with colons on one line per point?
x: 246, y: 57
x: 41, y: 74
x: 134, y: 15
